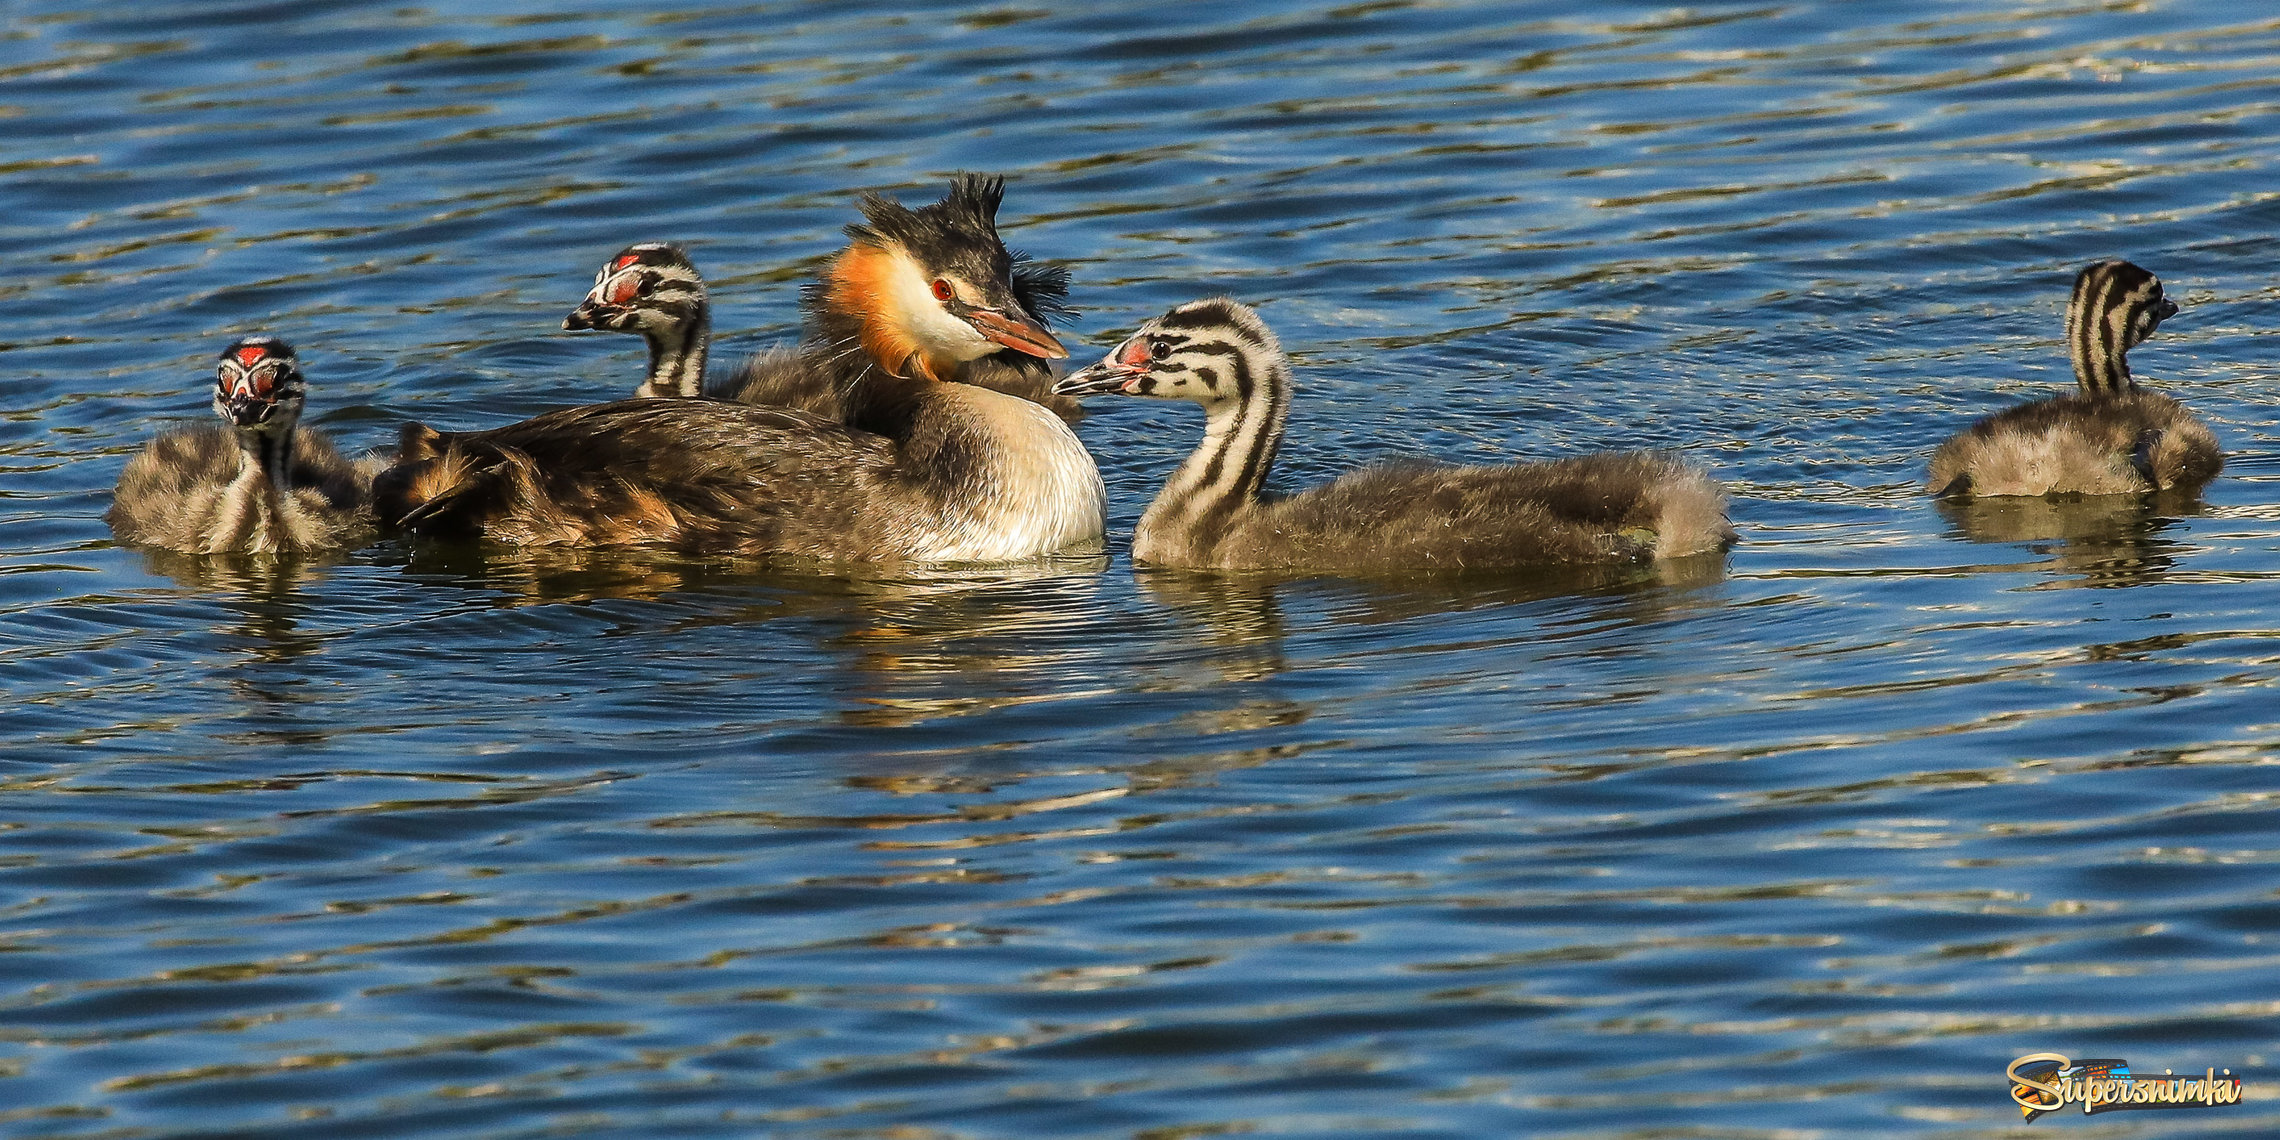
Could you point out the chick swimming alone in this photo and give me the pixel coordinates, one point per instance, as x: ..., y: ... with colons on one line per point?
x: 1215, y: 511
x: 262, y: 484
x: 2110, y: 436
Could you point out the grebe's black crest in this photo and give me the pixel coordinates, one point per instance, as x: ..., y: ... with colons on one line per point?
x: 955, y: 235
x: 1042, y: 289
x: 959, y: 235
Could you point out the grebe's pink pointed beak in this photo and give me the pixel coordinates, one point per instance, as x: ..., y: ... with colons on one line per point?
x: 1016, y: 332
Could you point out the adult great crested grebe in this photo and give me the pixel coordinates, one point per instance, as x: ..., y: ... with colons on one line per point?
x: 1388, y: 517
x: 262, y: 485
x: 653, y: 289
x: 923, y: 468
x: 2111, y: 437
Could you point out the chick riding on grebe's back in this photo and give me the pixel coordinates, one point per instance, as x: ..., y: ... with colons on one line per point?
x: 653, y: 289
x: 923, y: 468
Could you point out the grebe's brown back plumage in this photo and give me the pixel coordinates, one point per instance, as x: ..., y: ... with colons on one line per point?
x: 921, y: 469
x: 1391, y: 517
x: 261, y: 485
x: 2110, y: 436
x: 653, y: 289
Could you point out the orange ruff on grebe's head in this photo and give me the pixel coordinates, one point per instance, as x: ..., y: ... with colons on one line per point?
x: 932, y: 288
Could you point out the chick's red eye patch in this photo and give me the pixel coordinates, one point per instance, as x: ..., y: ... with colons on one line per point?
x: 1135, y: 354
x: 238, y: 380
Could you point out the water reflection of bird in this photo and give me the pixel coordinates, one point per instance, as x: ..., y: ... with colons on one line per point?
x: 1242, y: 642
x: 917, y: 643
x: 923, y: 469
x: 1244, y: 621
x: 1407, y: 516
x: 2111, y: 436
x: 653, y: 289
x: 269, y: 596
x: 927, y: 646
x: 2108, y: 540
x: 262, y: 485
x: 245, y: 575
x: 542, y: 575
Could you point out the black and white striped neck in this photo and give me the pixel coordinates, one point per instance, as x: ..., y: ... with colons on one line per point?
x: 652, y: 288
x: 1220, y: 355
x: 677, y: 353
x: 265, y: 467
x: 270, y: 451
x: 2115, y: 306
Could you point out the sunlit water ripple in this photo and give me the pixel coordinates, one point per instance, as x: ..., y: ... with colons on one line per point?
x: 1812, y: 843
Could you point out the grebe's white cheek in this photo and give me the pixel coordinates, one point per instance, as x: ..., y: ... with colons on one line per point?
x: 926, y: 319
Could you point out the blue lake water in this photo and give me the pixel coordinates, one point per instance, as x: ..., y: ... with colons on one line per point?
x: 478, y: 843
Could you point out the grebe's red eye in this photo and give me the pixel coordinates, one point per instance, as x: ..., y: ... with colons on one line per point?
x: 942, y: 290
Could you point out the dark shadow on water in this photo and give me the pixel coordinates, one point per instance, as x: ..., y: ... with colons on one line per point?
x: 2104, y: 541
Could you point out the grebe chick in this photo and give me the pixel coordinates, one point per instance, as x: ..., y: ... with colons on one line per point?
x: 2109, y: 438
x: 923, y: 468
x: 1400, y: 516
x: 262, y: 485
x: 654, y: 289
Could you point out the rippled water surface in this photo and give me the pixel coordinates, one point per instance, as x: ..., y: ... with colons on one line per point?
x: 472, y: 843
